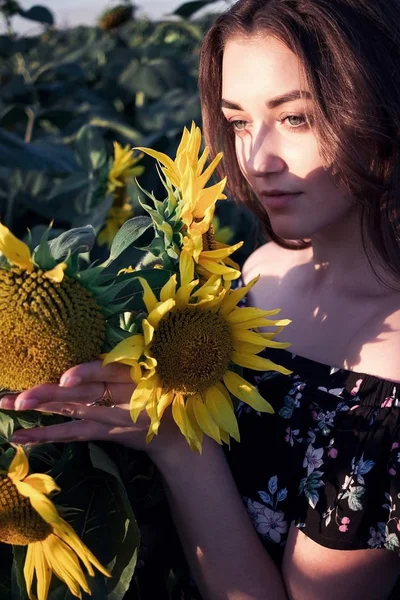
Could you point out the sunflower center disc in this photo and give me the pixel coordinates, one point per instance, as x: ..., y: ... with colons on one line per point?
x: 192, y: 348
x: 45, y: 328
x: 209, y: 241
x: 20, y: 524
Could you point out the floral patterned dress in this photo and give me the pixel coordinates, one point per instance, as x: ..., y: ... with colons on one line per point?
x: 328, y: 460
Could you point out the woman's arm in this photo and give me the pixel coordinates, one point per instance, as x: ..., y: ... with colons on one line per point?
x: 225, y: 554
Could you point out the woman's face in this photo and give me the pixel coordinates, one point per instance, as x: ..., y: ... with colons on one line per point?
x: 276, y: 144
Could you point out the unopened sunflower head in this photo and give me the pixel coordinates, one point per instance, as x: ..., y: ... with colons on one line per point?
x: 29, y: 518
x: 52, y: 315
x: 185, y: 219
x: 187, y: 354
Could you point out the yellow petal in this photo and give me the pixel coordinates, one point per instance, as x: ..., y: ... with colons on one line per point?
x: 164, y: 160
x: 164, y: 401
x: 260, y: 322
x: 56, y: 274
x: 246, y: 314
x: 43, y: 483
x: 149, y: 297
x: 43, y: 572
x: 39, y: 501
x: 131, y: 348
x: 193, y: 421
x: 136, y: 373
x: 183, y: 294
x: 148, y: 331
x: 246, y: 392
x: 14, y: 250
x: 29, y: 569
x: 64, y: 531
x: 19, y: 467
x: 234, y: 297
x: 160, y: 311
x: 181, y: 419
x: 221, y: 253
x: 258, y: 363
x: 218, y: 268
x: 222, y: 412
x: 186, y: 268
x: 208, y: 197
x: 204, y: 419
x: 168, y: 290
x: 65, y: 565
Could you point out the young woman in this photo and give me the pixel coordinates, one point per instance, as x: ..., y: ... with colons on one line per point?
x: 303, y: 97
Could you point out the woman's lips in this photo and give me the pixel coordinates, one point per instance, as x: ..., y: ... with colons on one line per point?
x: 278, y: 201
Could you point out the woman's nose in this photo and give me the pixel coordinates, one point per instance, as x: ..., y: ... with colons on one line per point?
x: 264, y: 157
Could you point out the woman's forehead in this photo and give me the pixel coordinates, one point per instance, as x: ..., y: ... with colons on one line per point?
x: 262, y: 65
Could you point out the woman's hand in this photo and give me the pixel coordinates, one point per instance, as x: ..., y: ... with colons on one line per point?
x: 79, y: 388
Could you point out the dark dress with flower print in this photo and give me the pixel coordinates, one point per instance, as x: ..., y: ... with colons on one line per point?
x: 328, y: 460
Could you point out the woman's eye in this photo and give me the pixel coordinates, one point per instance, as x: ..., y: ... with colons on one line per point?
x: 295, y: 121
x: 238, y: 125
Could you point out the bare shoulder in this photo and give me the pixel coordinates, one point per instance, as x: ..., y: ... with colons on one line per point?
x: 270, y: 260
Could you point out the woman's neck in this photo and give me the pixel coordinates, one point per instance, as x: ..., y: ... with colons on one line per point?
x: 340, y: 262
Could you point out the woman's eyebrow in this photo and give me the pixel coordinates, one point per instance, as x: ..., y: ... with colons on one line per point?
x: 273, y: 102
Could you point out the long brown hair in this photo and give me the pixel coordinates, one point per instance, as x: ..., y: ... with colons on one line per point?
x: 350, y: 52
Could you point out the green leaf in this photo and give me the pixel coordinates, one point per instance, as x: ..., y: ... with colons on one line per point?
x: 189, y: 8
x: 42, y: 256
x: 38, y: 13
x: 17, y: 575
x: 37, y: 156
x: 91, y: 148
x: 6, y: 428
x: 129, y: 232
x: 80, y: 239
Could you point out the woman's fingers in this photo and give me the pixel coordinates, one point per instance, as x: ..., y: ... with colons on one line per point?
x: 116, y: 416
x: 73, y: 431
x: 94, y: 371
x: 82, y: 394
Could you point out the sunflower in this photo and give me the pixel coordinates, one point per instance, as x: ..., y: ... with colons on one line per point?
x: 196, y: 205
x: 192, y: 343
x: 186, y: 174
x: 29, y: 518
x: 124, y: 167
x: 52, y: 316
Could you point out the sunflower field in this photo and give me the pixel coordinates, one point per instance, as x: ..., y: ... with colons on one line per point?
x: 77, y: 208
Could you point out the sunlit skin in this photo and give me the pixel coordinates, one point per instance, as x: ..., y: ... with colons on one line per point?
x: 276, y: 143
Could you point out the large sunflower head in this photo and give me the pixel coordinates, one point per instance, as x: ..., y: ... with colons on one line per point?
x: 192, y: 344
x: 52, y: 315
x: 29, y: 518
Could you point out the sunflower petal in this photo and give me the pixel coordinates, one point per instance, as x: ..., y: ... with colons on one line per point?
x: 218, y: 268
x: 130, y: 348
x: 43, y: 572
x: 149, y: 297
x: 56, y: 274
x: 204, y: 419
x: 221, y: 253
x: 246, y: 392
x: 222, y: 412
x: 258, y: 363
x: 43, y: 483
x: 29, y: 569
x: 234, y: 297
x: 19, y: 467
x: 14, y: 250
x: 168, y: 290
x: 65, y: 565
x: 159, y: 312
x: 183, y: 422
